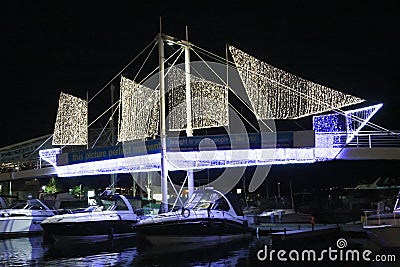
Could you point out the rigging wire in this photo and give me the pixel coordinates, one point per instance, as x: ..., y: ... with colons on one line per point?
x: 102, y: 131
x: 119, y: 102
x: 116, y: 102
x: 119, y: 73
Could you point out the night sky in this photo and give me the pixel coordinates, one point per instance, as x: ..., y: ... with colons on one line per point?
x: 48, y: 47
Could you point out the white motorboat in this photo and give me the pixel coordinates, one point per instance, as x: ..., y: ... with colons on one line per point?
x: 115, y: 217
x: 208, y: 216
x: 282, y: 216
x: 24, y: 218
x: 384, y: 229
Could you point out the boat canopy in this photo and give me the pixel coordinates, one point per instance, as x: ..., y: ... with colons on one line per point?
x: 215, y: 200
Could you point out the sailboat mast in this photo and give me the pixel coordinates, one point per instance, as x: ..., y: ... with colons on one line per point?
x: 164, y: 169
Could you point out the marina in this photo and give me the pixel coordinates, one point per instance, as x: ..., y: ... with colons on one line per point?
x: 189, y: 157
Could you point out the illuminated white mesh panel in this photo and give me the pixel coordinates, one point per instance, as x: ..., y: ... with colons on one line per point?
x: 139, y: 111
x: 209, y: 102
x: 356, y: 119
x: 71, y: 126
x: 276, y: 94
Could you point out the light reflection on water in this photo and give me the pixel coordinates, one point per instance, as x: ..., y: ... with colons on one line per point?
x: 38, y: 251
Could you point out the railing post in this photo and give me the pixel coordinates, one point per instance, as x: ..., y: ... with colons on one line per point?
x: 369, y: 140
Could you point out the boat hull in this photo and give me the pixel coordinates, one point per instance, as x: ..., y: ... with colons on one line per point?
x: 192, y: 231
x: 21, y: 225
x: 90, y: 230
x: 179, y: 239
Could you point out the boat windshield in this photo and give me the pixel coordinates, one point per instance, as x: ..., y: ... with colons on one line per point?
x: 34, y: 204
x: 207, y: 199
x: 114, y: 203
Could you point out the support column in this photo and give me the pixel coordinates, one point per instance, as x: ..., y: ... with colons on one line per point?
x: 164, y: 169
x: 114, y: 176
x: 189, y: 129
x: 10, y: 189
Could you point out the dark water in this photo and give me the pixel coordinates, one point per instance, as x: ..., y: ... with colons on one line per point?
x: 39, y: 251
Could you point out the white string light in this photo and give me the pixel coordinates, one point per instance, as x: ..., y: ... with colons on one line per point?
x: 71, y: 127
x: 209, y: 102
x: 139, y: 112
x: 276, y: 94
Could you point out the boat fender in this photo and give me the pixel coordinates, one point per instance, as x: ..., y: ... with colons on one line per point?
x: 185, y: 212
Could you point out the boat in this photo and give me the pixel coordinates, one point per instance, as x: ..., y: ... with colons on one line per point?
x: 208, y: 216
x: 384, y: 228
x: 282, y: 216
x: 114, y: 217
x: 24, y: 217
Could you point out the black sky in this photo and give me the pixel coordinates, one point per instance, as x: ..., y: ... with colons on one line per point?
x: 53, y: 46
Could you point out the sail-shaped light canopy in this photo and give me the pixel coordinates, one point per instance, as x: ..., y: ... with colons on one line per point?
x: 276, y: 94
x: 71, y: 127
x: 140, y: 110
x: 209, y: 102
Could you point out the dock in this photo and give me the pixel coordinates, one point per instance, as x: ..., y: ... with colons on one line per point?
x: 305, y: 233
x: 279, y: 232
x: 298, y: 231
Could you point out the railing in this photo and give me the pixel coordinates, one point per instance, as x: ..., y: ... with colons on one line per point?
x: 371, y: 139
x: 375, y: 139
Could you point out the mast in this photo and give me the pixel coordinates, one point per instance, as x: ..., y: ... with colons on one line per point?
x: 189, y: 129
x: 113, y: 177
x: 164, y: 169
